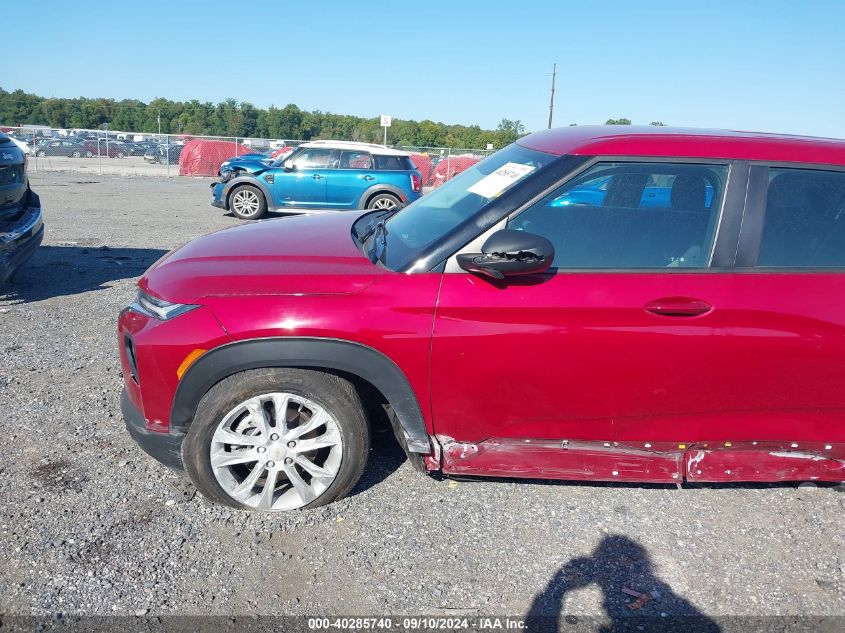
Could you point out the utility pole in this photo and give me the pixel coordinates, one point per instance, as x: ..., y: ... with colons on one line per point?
x: 552, y: 100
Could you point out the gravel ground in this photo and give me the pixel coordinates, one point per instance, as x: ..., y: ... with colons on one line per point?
x: 100, y: 165
x: 90, y: 525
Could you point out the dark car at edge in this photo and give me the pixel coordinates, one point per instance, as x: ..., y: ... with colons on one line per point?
x: 21, y: 224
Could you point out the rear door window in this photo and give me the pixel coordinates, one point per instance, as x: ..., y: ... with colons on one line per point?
x: 393, y: 163
x: 804, y: 223
x: 355, y: 160
x: 631, y: 216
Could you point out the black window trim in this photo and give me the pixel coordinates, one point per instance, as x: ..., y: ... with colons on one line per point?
x: 726, y: 233
x: 754, y: 216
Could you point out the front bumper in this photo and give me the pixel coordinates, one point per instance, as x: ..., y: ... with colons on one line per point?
x: 18, y: 240
x: 218, y: 199
x: 164, y: 447
x: 151, y: 351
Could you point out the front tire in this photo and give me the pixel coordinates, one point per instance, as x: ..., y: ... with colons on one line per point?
x: 384, y: 202
x: 247, y: 202
x: 77, y: 155
x: 277, y: 439
x: 41, y: 153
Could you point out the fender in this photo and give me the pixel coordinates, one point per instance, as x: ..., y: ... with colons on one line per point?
x: 385, y: 188
x: 346, y: 356
x: 249, y: 180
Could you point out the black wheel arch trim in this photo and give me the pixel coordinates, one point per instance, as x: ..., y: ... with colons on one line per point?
x: 306, y: 352
x: 246, y: 180
x: 382, y: 188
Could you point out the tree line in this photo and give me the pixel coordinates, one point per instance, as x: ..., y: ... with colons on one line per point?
x: 242, y: 119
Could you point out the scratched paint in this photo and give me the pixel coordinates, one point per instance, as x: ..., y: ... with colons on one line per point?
x: 667, y: 462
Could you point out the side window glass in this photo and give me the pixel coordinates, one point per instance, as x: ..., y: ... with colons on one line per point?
x: 631, y: 216
x: 389, y: 163
x: 355, y: 160
x: 804, y: 224
x: 314, y: 158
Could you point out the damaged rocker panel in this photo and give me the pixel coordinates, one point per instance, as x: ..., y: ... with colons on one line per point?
x: 658, y: 462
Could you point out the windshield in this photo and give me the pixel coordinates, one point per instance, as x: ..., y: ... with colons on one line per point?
x: 430, y: 218
x: 277, y: 162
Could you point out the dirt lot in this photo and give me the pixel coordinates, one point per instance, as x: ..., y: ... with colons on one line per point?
x: 90, y: 525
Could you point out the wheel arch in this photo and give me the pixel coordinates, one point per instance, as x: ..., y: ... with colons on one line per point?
x: 246, y: 180
x: 381, y: 188
x: 358, y: 362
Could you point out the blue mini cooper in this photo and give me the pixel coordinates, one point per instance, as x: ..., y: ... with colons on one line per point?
x: 319, y: 175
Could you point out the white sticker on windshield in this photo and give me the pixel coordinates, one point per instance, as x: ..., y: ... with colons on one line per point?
x: 494, y: 184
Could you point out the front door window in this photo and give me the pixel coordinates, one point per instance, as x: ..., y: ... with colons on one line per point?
x: 631, y: 216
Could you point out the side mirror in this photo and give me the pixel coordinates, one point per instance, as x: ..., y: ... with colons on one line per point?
x: 288, y: 165
x: 509, y: 253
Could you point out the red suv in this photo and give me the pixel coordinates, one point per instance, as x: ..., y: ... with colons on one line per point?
x: 615, y: 304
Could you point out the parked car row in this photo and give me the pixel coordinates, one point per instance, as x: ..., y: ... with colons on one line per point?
x: 166, y: 153
x: 88, y: 145
x: 77, y: 147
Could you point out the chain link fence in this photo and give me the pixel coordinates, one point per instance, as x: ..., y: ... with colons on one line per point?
x: 440, y: 164
x: 167, y: 155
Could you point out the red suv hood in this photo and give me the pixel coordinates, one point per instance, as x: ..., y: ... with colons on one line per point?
x: 312, y: 254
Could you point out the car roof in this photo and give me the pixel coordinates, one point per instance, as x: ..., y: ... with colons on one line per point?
x: 382, y: 150
x: 660, y: 141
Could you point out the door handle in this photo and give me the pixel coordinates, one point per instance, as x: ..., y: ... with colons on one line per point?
x: 678, y: 306
x: 368, y: 177
x: 316, y: 177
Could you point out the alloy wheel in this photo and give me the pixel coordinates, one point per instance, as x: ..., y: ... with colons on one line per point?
x: 385, y: 204
x: 246, y: 202
x: 276, y: 451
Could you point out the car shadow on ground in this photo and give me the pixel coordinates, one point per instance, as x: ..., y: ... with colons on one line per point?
x: 385, y: 457
x: 620, y: 567
x: 58, y: 271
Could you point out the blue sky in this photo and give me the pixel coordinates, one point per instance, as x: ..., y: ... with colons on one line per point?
x: 767, y: 65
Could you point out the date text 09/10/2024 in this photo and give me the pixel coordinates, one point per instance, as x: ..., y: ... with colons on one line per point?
x: 422, y: 623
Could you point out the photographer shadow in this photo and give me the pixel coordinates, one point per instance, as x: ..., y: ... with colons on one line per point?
x: 617, y: 562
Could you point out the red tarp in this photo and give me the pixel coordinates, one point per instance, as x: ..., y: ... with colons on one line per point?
x: 423, y: 163
x: 451, y: 166
x: 203, y: 158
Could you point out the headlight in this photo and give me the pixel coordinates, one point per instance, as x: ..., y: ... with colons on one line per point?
x: 159, y: 308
